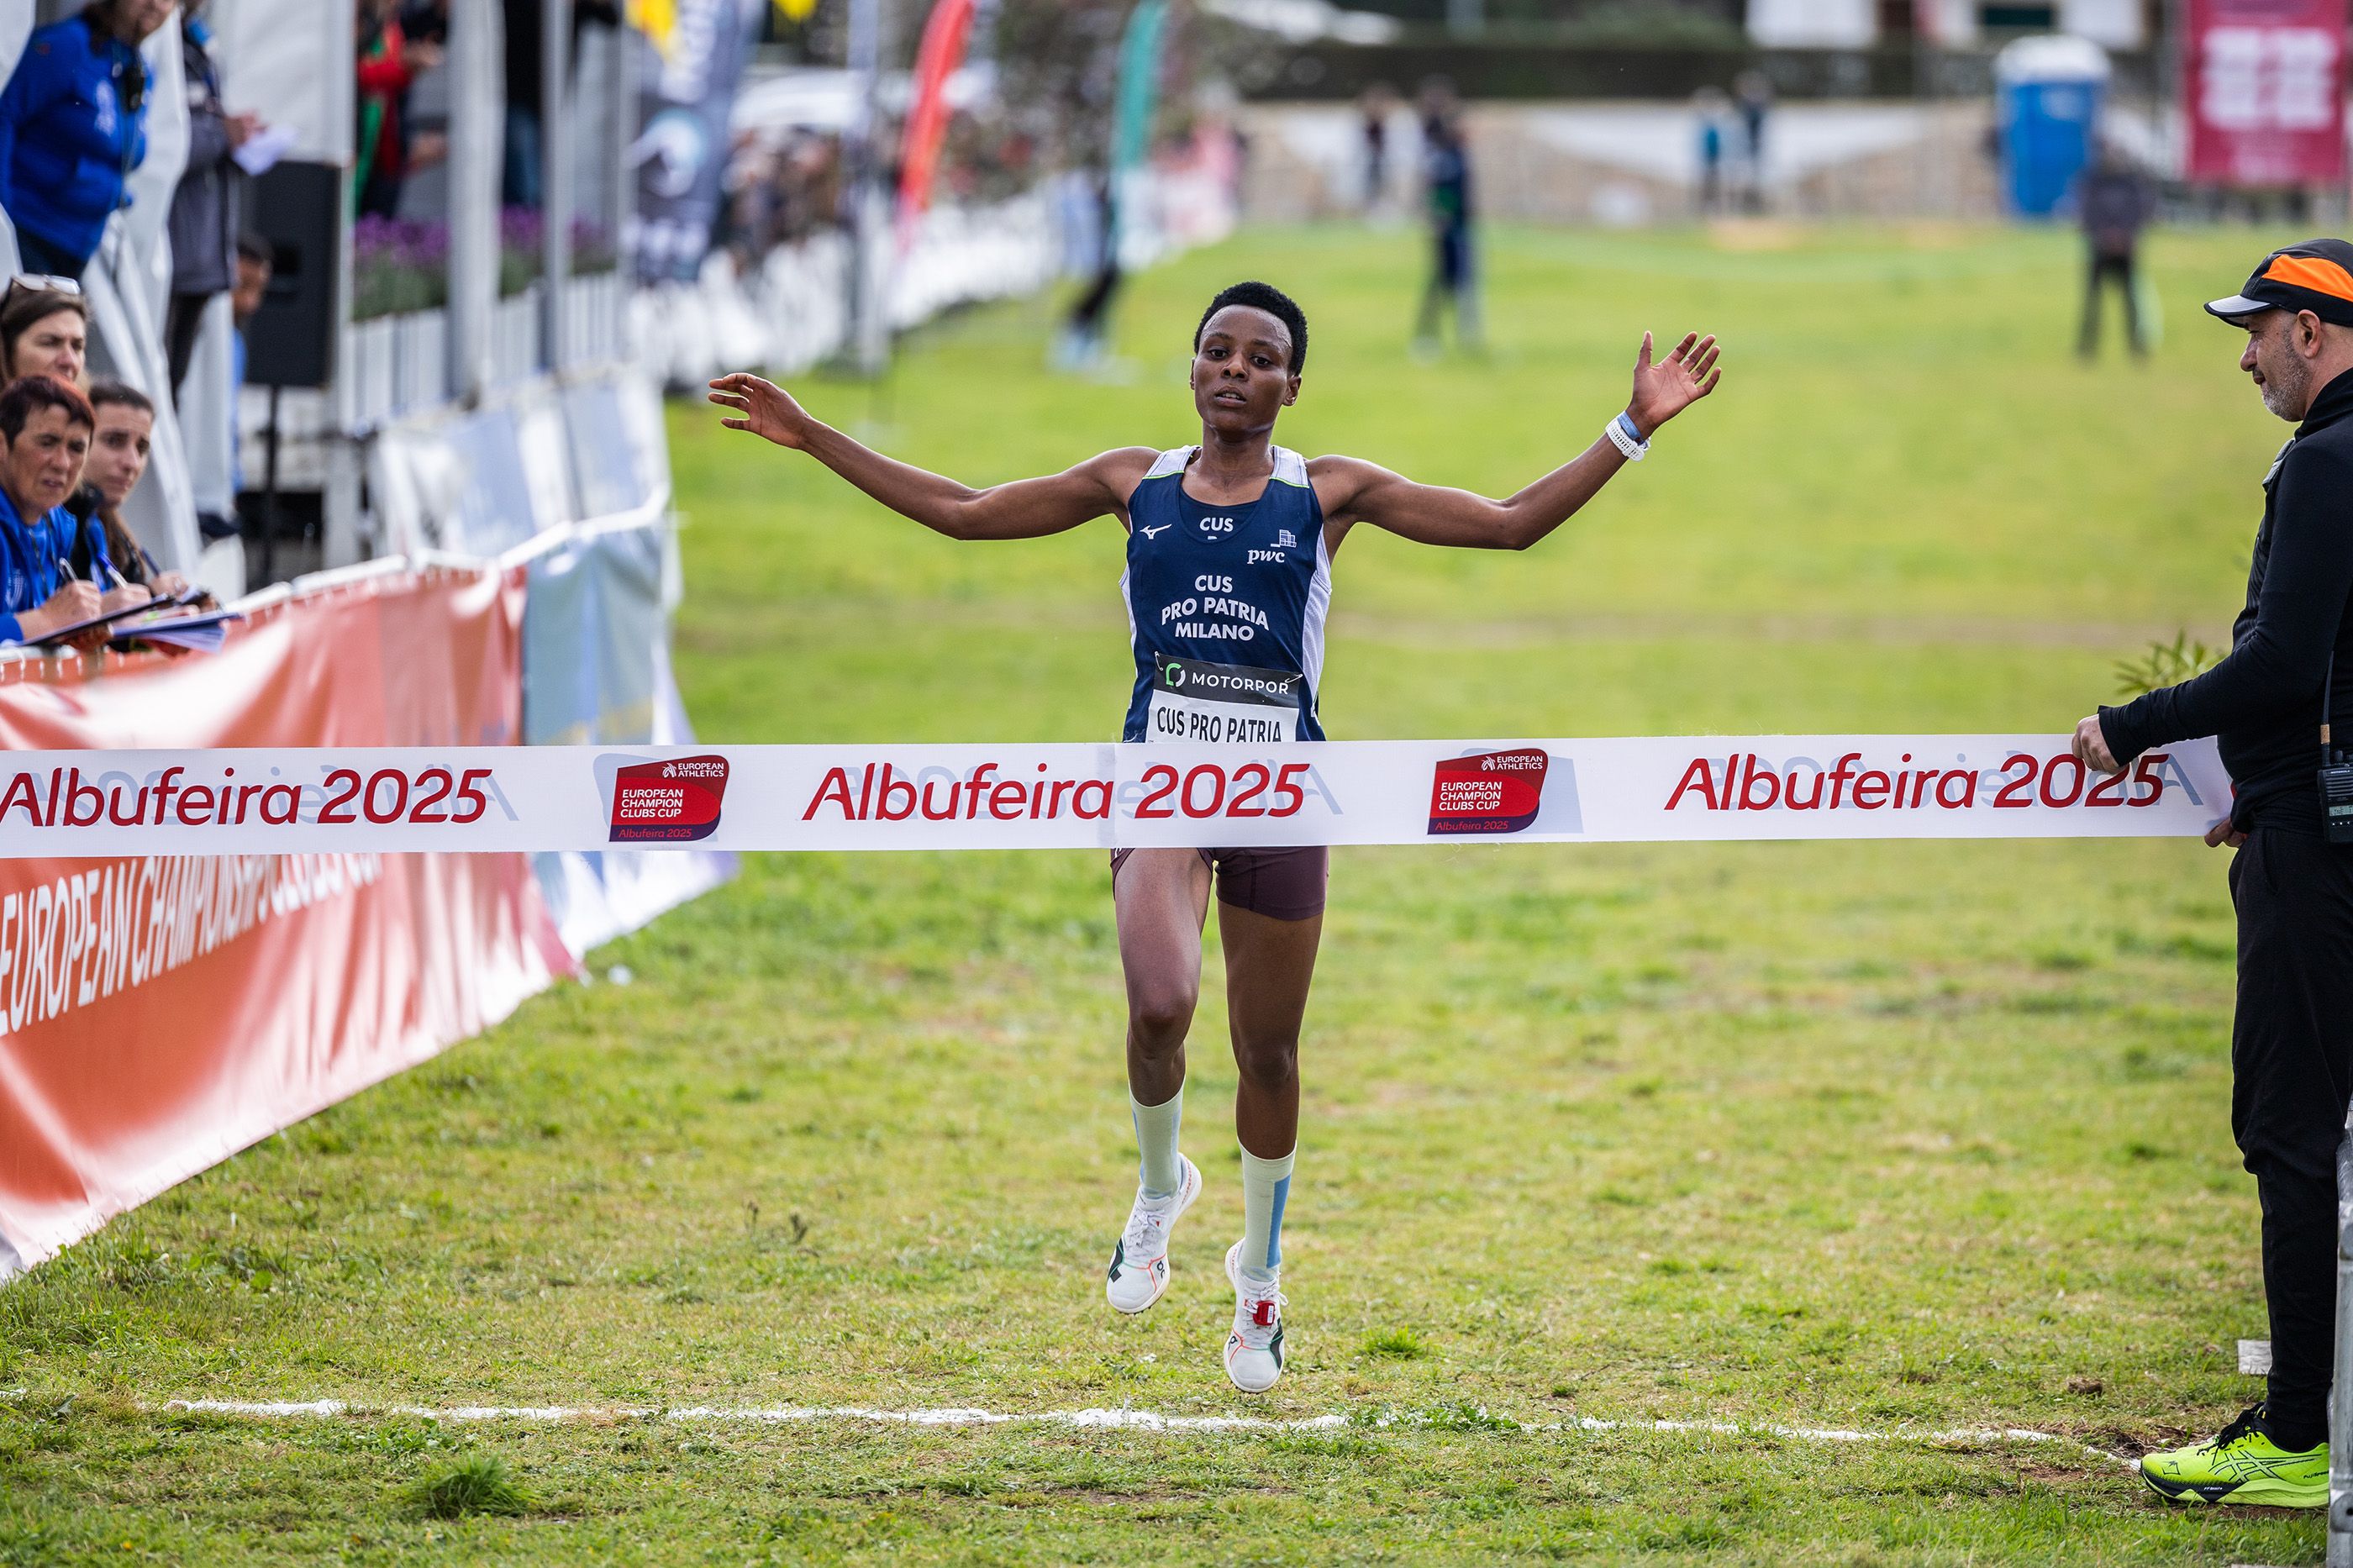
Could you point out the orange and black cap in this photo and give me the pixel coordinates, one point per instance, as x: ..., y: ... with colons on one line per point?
x: 2316, y: 275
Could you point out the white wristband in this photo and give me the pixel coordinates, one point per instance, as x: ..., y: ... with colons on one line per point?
x: 1622, y: 438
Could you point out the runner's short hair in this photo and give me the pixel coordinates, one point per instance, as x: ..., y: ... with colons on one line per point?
x: 1274, y: 303
x: 28, y: 396
x: 118, y: 394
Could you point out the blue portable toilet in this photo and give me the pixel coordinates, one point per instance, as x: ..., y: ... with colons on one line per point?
x: 2048, y: 91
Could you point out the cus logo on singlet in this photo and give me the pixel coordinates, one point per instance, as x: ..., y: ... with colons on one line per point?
x: 1216, y: 525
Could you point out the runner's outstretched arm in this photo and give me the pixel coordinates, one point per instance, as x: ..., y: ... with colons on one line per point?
x: 1020, y: 509
x: 1435, y: 514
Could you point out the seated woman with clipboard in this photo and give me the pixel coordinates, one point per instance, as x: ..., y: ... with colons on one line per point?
x: 45, y: 435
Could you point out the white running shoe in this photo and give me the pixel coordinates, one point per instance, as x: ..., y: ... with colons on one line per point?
x: 1254, y: 1350
x: 1139, y: 1267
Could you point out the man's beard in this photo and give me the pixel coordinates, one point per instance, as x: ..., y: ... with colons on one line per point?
x: 2284, y: 390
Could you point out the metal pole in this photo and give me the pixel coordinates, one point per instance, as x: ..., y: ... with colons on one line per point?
x: 339, y: 509
x: 477, y: 134
x: 2340, y: 1407
x: 554, y: 184
x: 869, y: 327
x: 619, y: 121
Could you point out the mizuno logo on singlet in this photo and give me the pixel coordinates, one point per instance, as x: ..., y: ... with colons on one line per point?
x: 1148, y: 532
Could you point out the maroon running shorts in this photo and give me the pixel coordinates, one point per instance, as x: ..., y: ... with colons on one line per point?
x: 1280, y: 884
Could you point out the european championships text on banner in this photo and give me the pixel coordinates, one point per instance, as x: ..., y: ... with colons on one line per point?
x: 391, y: 799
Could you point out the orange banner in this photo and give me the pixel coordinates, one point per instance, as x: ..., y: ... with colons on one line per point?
x: 159, y: 1013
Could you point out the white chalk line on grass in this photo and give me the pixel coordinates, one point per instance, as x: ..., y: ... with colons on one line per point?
x: 1123, y: 1419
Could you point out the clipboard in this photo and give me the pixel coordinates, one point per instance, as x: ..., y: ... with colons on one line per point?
x: 216, y: 621
x: 107, y: 619
x: 180, y: 623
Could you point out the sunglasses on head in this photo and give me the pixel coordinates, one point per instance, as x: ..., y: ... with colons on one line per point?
x: 26, y: 283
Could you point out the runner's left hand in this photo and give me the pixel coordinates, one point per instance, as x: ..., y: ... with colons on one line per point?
x: 762, y: 408
x: 1665, y: 389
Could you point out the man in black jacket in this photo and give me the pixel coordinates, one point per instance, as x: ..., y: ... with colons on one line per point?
x: 2292, y: 1039
x: 204, y: 221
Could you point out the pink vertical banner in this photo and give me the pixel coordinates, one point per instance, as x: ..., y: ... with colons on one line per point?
x: 936, y: 60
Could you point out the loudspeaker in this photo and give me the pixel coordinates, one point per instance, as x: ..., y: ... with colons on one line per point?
x: 296, y: 208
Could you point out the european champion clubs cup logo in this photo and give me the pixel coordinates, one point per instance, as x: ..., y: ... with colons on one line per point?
x: 1499, y: 792
x: 674, y: 801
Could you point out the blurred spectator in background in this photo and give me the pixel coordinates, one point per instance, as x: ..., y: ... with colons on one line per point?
x: 521, y: 183
x: 1446, y: 177
x: 389, y: 62
x: 2115, y: 201
x: 425, y: 140
x: 1378, y: 104
x: 256, y: 264
x: 1713, y: 110
x: 44, y: 331
x: 205, y: 206
x: 73, y: 126
x: 1752, y: 92
x: 519, y: 177
x: 119, y: 446
x: 45, y: 430
x: 1084, y: 343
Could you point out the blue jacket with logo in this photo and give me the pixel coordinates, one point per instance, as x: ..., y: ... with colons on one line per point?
x: 29, y: 554
x: 67, y: 145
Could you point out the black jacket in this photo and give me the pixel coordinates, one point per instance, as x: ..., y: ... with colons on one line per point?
x: 2263, y: 701
x: 204, y: 222
x: 2115, y: 203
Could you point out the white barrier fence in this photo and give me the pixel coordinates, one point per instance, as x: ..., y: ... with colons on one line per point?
x: 791, y: 311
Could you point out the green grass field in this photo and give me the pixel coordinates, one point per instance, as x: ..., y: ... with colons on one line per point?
x: 1904, y: 1138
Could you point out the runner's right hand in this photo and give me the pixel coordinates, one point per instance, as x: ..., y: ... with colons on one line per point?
x: 762, y: 408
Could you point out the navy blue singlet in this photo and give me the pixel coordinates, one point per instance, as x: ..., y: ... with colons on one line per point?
x: 1225, y: 607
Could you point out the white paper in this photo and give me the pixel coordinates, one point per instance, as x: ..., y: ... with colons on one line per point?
x: 264, y: 148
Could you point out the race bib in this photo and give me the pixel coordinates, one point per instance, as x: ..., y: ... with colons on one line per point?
x: 1223, y: 704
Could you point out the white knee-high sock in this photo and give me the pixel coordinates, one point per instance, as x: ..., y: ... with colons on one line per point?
x: 1156, y: 1140
x: 1266, y: 1187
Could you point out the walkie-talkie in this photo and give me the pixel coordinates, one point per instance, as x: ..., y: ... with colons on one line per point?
x: 2336, y: 772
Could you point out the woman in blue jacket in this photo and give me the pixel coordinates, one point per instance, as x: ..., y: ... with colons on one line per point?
x: 73, y: 126
x: 44, y: 434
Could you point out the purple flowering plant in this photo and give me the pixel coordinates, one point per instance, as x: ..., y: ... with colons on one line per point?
x: 403, y: 264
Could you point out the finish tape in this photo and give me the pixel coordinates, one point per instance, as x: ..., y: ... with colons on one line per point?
x: 847, y: 797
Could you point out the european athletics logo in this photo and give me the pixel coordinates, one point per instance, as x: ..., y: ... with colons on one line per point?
x: 1497, y: 792
x: 674, y: 801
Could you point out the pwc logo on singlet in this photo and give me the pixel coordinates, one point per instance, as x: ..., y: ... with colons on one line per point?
x: 674, y: 801
x: 1499, y: 792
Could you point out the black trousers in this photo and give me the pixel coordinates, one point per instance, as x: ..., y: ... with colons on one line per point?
x: 182, y: 322
x: 2105, y: 270
x: 2292, y: 1071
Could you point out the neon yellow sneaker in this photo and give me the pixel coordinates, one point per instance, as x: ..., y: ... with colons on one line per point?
x: 2241, y: 1466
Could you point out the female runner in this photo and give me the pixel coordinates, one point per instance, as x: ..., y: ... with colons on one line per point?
x: 1230, y: 549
